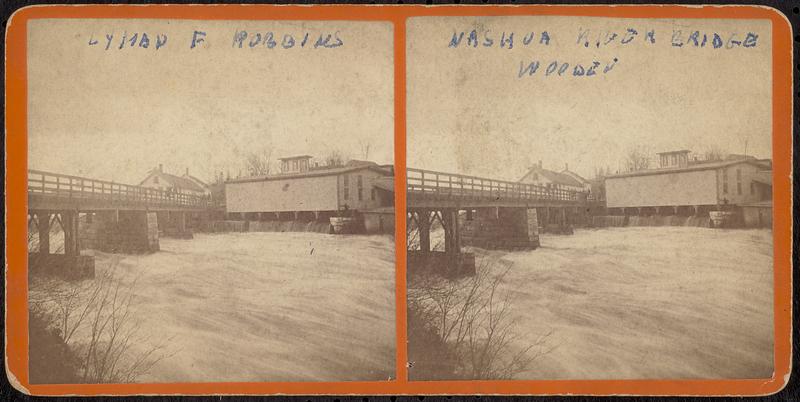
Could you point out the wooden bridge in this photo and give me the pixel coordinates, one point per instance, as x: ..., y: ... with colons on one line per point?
x: 431, y: 189
x: 54, y: 191
x: 111, y: 216
x: 497, y: 214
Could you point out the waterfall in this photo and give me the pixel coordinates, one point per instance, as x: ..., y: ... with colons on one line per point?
x: 602, y: 221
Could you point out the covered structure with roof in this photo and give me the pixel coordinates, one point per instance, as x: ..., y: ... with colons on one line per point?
x: 679, y: 186
x: 357, y: 188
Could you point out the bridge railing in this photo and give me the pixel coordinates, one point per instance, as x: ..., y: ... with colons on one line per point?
x: 75, y: 187
x: 429, y: 182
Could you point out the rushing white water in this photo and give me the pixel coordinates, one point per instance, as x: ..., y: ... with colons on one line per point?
x: 267, y: 306
x: 646, y: 302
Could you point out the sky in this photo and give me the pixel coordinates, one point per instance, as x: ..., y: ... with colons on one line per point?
x: 114, y: 114
x: 470, y: 112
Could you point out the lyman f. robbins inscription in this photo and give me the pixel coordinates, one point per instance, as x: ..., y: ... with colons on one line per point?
x: 240, y: 39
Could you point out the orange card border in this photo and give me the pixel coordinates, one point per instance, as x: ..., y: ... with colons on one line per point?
x: 16, y: 200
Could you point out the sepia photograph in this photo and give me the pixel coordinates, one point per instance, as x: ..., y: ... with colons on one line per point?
x: 210, y: 201
x: 589, y: 198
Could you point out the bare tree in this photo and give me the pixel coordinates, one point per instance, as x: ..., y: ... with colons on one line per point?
x: 259, y: 162
x: 365, y: 145
x: 714, y: 153
x: 474, y: 322
x: 101, y: 311
x: 638, y: 158
x: 335, y: 159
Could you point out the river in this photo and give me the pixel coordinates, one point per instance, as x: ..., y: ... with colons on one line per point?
x: 645, y: 303
x: 265, y: 306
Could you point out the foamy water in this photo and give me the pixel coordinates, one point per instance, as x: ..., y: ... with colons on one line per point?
x: 652, y: 302
x: 267, y: 306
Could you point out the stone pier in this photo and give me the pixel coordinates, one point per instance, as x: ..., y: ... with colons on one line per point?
x: 175, y: 224
x: 130, y: 232
x: 500, y: 228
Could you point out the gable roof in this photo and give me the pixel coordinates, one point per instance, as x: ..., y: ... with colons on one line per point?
x: 575, y: 176
x: 196, y: 180
x: 555, y: 177
x: 691, y: 168
x: 179, y: 182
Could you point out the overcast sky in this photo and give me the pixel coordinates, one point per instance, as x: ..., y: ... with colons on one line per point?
x: 114, y: 114
x: 469, y: 112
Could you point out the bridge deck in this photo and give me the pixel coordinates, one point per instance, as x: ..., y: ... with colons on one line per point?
x: 53, y: 191
x: 431, y: 189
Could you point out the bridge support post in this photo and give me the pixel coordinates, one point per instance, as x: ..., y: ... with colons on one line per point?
x: 43, y: 219
x: 452, y: 241
x: 69, y: 223
x: 181, y: 222
x: 424, y: 228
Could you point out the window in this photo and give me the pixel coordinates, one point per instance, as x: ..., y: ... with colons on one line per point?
x: 372, y: 195
x: 724, y: 181
x: 346, y: 187
x: 739, y: 181
x: 360, y: 188
x: 752, y: 188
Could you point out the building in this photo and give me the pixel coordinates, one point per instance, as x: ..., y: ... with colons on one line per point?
x: 678, y: 185
x: 564, y: 180
x: 358, y: 187
x: 186, y: 184
x: 585, y: 184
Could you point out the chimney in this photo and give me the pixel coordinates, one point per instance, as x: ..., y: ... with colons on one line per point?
x: 160, y: 168
x: 540, y: 163
x: 187, y: 171
x: 566, y: 166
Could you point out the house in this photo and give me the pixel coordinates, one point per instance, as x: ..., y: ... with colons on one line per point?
x: 565, y: 180
x: 677, y: 184
x: 358, y: 187
x: 586, y: 184
x: 186, y: 184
